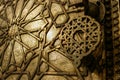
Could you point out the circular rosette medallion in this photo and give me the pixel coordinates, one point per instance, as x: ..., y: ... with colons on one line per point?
x: 20, y: 25
x: 79, y: 37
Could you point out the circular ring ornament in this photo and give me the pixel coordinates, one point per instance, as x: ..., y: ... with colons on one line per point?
x: 79, y: 37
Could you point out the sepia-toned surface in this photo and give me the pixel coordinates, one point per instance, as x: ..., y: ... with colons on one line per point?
x: 49, y: 40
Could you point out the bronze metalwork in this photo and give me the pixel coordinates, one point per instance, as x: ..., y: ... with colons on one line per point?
x: 80, y: 37
x: 32, y: 33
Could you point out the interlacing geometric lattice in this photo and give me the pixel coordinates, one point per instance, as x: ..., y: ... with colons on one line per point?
x: 80, y: 37
x: 26, y: 43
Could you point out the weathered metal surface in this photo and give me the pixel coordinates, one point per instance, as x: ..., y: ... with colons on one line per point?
x: 39, y: 40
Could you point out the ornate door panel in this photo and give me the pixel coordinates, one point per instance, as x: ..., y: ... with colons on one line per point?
x: 50, y: 40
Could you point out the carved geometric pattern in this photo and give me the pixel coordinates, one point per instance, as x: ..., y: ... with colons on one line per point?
x: 80, y: 37
x: 29, y: 30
